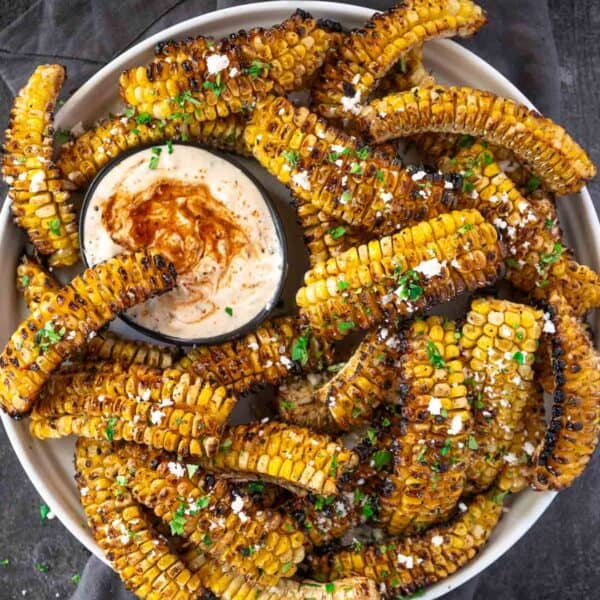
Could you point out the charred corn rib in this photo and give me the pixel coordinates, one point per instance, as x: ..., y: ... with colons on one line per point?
x: 572, y: 434
x: 277, y: 349
x: 140, y: 556
x: 217, y: 80
x: 536, y: 141
x: 499, y: 340
x: 407, y: 564
x: 80, y: 160
x: 331, y: 170
x: 366, y: 55
x: 263, y: 545
x: 63, y: 321
x: 34, y: 282
x: 430, y: 455
x: 537, y: 262
x: 407, y: 73
x: 40, y: 202
x: 289, y: 456
x: 172, y: 400
x: 396, y: 276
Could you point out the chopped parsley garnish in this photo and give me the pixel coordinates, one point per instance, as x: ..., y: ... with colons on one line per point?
x: 512, y: 263
x: 446, y: 447
x: 464, y: 228
x: 329, y: 588
x: 519, y: 357
x: 287, y: 405
x: 408, y: 288
x: 356, y: 169
x: 382, y: 458
x: 344, y: 326
x: 472, y: 443
x: 467, y: 187
x: 402, y: 66
x: 292, y: 157
x: 336, y: 367
x: 333, y: 156
x: 356, y: 545
x: 184, y: 97
x: 54, y: 226
x: 549, y: 223
x: 487, y: 158
x: 170, y: 146
x: 200, y: 503
x: 556, y: 253
x: 363, y: 153
x: 62, y: 136
x: 285, y: 567
x: 342, y: 285
x: 226, y: 445
x: 44, y: 511
x: 177, y: 523
x: 337, y: 232
x: 499, y: 497
x: 216, y: 86
x: 47, y: 336
x: 371, y: 436
x: 229, y: 311
x: 42, y: 567
x: 479, y: 401
x: 247, y: 551
x: 533, y: 184
x: 367, y: 510
x: 466, y: 141
x: 443, y: 413
x: 4, y: 562
x: 191, y: 470
x: 434, y: 356
x: 256, y: 487
x: 76, y: 578
x: 206, y: 540
x: 300, y: 349
x: 144, y: 118
x: 379, y: 175
x: 129, y: 112
x: 256, y: 68
x: 155, y: 157
x: 109, y: 432
x: 346, y: 197
x: 520, y: 335
x: 122, y: 480
x: 136, y: 131
x: 333, y: 468
x: 322, y: 501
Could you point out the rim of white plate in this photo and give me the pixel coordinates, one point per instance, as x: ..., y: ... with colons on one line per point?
x: 582, y: 213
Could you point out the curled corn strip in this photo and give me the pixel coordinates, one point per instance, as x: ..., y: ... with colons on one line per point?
x: 40, y: 202
x: 366, y: 55
x: 431, y: 453
x: 537, y: 262
x: 327, y: 168
x: 141, y: 557
x: 499, y: 340
x: 264, y: 356
x: 62, y: 322
x: 536, y: 141
x: 572, y: 434
x: 289, y: 456
x: 264, y: 545
x: 34, y: 282
x: 401, y: 566
x: 80, y: 160
x: 396, y: 276
x: 281, y: 59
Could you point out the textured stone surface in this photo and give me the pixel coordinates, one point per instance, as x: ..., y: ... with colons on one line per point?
x: 556, y: 560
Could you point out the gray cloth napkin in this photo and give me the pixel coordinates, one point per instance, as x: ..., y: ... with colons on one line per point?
x: 85, y: 35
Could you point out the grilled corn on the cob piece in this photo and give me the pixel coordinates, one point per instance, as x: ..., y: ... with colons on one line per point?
x: 40, y: 202
x: 277, y: 349
x: 572, y: 434
x: 217, y: 80
x: 141, y: 557
x: 34, y: 282
x: 430, y: 455
x: 366, y: 55
x: 499, y: 340
x: 81, y: 159
x: 264, y: 545
x: 62, y: 322
x: 325, y: 167
x: 536, y: 141
x: 396, y: 276
x: 290, y: 456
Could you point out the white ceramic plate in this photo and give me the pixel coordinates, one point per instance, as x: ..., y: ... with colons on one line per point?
x: 49, y: 464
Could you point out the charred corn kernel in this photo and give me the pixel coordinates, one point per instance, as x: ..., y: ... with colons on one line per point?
x: 329, y: 169
x: 553, y: 155
x: 500, y: 361
x: 538, y: 261
x: 80, y: 160
x: 401, y: 566
x: 141, y: 557
x: 396, y: 276
x: 407, y: 73
x: 264, y: 356
x: 40, y: 201
x: 366, y: 55
x: 186, y: 75
x: 283, y: 454
x: 572, y: 434
x: 34, y: 282
x: 214, y: 516
x: 62, y: 322
x: 430, y: 454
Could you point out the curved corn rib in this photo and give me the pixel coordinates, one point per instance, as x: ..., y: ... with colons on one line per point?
x: 366, y: 55
x: 537, y: 262
x: 325, y: 167
x: 63, y: 321
x: 263, y: 545
x: 80, y: 160
x: 40, y: 202
x: 537, y: 141
x: 34, y: 282
x: 396, y: 276
x: 276, y: 350
x: 431, y: 453
x: 404, y: 565
x: 572, y: 434
x: 140, y: 556
x: 289, y: 456
x: 498, y: 342
x: 216, y: 80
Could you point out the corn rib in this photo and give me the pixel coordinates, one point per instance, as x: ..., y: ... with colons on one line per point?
x: 34, y: 282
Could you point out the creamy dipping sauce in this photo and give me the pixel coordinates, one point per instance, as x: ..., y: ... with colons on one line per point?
x: 206, y: 216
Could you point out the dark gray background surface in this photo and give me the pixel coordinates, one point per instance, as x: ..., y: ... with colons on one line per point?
x: 559, y: 556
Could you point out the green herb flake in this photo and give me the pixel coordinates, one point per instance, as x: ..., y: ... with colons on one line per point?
x: 356, y: 169
x: 381, y: 459
x: 256, y: 487
x: 363, y: 153
x: 109, y: 431
x: 177, y: 523
x: 206, y: 540
x: 342, y: 285
x: 487, y: 158
x: 556, y: 253
x: 512, y: 263
x: 344, y: 326
x: 121, y: 480
x: 54, y: 226
x: 466, y: 141
x: 329, y: 588
x: 170, y: 146
x: 446, y: 447
x: 136, y: 131
x: 191, y: 470
x: 4, y: 562
x: 346, y: 197
x: 225, y: 445
x: 48, y: 336
x: 379, y: 175
x: 229, y: 311
x: 533, y: 184
x: 287, y: 405
x: 519, y: 357
x: 337, y: 232
x: 256, y: 69
x: 549, y: 223
x: 333, y: 467
x: 402, y: 66
x: 472, y: 443
x: 367, y: 511
x: 184, y: 97
x: 76, y: 578
x: 216, y: 86
x: 443, y: 413
x: 129, y: 112
x: 300, y: 349
x: 467, y: 187
x: 372, y: 436
x: 464, y: 228
x: 42, y: 567
x: 62, y: 136
x: 156, y: 151
x: 434, y: 355
x: 408, y: 288
x: 144, y: 118
x: 285, y: 567
x: 292, y: 157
